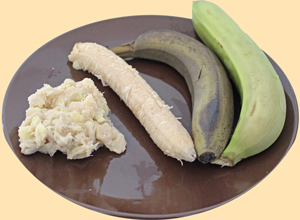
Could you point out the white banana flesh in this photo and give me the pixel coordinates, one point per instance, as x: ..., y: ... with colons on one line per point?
x: 70, y: 118
x: 163, y: 127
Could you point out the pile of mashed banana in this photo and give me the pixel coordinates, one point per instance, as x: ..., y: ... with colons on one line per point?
x: 71, y: 118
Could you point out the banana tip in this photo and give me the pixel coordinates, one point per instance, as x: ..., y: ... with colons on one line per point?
x: 207, y: 157
x: 224, y: 162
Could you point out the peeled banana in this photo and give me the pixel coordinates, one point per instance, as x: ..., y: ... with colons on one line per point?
x: 263, y: 109
x: 163, y: 127
x: 210, y: 88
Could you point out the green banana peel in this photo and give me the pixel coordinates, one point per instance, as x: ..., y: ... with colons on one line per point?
x: 263, y: 108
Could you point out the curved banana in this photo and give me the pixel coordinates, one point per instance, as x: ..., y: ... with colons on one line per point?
x: 263, y: 109
x: 210, y: 88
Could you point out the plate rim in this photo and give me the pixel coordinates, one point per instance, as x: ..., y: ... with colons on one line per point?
x: 136, y: 215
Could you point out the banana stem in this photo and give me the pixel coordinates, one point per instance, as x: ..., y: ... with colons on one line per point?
x: 125, y: 50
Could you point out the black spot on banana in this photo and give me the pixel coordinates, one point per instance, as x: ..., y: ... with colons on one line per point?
x: 210, y: 88
x: 263, y: 108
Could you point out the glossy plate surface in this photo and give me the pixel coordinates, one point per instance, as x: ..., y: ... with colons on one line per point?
x: 142, y: 182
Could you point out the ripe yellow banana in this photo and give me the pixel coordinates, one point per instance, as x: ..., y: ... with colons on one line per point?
x: 263, y: 109
x: 210, y: 88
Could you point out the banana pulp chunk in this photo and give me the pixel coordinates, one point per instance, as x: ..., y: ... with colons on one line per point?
x: 71, y: 118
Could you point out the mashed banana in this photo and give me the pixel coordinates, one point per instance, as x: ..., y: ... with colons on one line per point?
x: 71, y: 118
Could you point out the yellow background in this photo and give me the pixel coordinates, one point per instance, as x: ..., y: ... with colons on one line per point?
x: 27, y: 25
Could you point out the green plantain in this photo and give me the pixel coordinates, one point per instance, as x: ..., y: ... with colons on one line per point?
x: 210, y: 88
x: 263, y: 108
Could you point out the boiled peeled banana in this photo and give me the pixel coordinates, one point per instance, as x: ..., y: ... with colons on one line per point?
x: 152, y: 112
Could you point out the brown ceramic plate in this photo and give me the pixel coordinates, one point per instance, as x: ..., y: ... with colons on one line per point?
x: 142, y: 182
